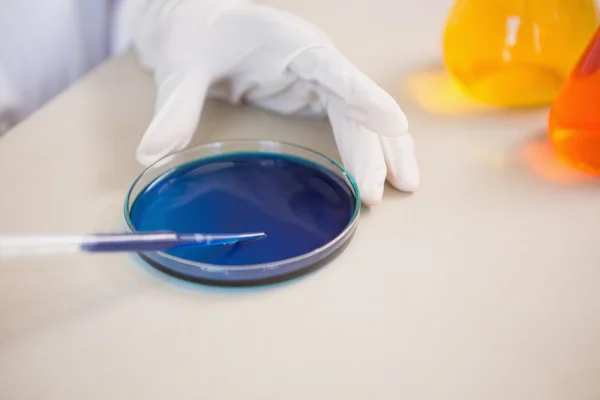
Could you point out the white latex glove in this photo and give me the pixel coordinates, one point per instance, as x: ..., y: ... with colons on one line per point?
x: 240, y: 52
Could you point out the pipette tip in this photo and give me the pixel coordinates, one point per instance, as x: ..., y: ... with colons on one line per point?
x: 229, y: 238
x: 246, y: 237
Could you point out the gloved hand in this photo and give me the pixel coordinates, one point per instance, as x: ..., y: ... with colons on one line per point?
x: 240, y: 52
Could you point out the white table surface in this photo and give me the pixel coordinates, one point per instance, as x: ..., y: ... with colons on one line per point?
x: 483, y: 285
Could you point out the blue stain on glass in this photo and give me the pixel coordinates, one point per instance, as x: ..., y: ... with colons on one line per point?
x: 300, y: 205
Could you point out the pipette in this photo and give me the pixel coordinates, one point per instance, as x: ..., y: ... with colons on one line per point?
x: 27, y: 246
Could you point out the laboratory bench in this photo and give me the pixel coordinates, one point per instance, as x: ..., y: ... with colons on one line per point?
x: 483, y: 284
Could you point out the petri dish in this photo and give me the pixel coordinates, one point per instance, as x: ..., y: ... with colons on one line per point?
x: 306, y: 203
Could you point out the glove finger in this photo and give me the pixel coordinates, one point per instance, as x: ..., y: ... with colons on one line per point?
x: 402, y: 167
x: 351, y: 91
x: 362, y: 155
x: 179, y: 101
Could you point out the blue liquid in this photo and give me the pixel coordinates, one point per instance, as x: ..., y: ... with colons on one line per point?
x: 300, y: 205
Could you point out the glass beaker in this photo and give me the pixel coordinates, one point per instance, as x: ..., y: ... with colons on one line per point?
x: 516, y: 53
x: 574, y: 122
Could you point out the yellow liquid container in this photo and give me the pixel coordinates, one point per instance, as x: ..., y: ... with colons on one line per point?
x: 516, y: 53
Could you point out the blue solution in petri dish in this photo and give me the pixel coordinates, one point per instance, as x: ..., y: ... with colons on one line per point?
x: 300, y: 205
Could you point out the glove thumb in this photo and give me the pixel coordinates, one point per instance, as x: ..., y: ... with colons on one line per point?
x: 179, y: 102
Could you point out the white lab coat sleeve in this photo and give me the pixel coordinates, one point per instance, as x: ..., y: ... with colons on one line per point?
x: 11, y: 104
x: 45, y: 46
x: 120, y: 37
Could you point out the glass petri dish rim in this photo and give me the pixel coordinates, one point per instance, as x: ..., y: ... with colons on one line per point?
x: 222, y: 144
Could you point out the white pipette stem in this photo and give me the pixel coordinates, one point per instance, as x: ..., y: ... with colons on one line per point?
x: 29, y: 246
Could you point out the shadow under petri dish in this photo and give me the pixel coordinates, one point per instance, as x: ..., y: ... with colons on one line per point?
x: 303, y: 207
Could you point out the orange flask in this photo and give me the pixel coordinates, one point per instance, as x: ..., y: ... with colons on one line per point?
x: 574, y: 123
x: 516, y: 53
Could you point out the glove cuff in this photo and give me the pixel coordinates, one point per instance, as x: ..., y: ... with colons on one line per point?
x: 147, y: 22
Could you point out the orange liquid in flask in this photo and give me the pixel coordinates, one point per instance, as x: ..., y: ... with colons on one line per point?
x: 574, y: 123
x: 516, y: 53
